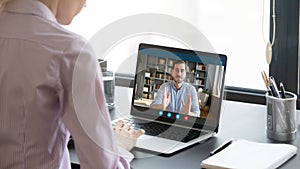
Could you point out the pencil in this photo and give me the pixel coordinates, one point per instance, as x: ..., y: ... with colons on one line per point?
x: 265, y: 78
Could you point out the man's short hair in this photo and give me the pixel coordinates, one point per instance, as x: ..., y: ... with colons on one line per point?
x: 176, y: 62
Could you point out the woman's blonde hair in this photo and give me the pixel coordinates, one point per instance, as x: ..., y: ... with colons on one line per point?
x: 2, y: 3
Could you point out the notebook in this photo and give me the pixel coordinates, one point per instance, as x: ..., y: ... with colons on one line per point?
x: 170, y: 130
x: 248, y: 154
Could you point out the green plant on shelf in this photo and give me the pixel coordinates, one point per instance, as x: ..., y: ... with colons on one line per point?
x: 206, y: 91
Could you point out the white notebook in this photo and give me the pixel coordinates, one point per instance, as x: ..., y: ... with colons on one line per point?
x: 247, y: 154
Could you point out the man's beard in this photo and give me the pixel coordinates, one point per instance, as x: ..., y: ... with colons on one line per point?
x: 178, y: 81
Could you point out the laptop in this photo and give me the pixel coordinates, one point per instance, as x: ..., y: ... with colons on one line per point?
x: 168, y: 131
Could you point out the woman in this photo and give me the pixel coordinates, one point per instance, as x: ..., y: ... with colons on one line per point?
x: 41, y: 98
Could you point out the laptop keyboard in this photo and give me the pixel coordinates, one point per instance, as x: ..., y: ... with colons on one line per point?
x: 166, y: 131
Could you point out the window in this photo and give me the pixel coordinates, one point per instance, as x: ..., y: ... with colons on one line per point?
x: 233, y: 27
x: 286, y: 62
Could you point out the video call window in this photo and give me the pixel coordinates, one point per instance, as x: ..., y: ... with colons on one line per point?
x: 156, y: 71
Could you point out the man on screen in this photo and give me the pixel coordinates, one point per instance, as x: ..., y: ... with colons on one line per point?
x: 177, y: 95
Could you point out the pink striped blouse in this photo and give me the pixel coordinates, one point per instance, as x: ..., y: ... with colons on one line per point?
x: 50, y: 84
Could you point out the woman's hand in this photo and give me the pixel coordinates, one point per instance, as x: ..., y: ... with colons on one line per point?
x: 125, y: 135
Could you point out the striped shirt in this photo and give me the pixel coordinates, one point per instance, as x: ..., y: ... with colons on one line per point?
x: 50, y: 85
x: 178, y: 95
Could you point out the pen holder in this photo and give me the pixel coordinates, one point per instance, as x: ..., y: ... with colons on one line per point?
x: 281, y: 117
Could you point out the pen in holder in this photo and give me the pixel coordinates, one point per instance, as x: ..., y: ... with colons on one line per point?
x: 281, y: 117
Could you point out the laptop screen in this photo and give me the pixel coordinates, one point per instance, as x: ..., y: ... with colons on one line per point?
x: 179, y: 86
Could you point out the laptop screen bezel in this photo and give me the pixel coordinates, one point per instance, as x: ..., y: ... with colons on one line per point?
x: 194, y: 122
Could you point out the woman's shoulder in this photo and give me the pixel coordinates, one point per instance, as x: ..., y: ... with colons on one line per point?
x: 66, y: 38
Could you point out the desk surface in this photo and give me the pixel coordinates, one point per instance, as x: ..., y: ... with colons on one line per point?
x: 238, y: 120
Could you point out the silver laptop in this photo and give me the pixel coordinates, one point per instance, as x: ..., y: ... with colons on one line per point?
x: 170, y: 130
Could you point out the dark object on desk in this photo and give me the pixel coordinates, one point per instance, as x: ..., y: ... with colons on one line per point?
x: 221, y: 147
x: 271, y: 85
x: 282, y: 89
x: 75, y: 166
x: 274, y: 87
x: 275, y: 93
